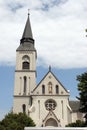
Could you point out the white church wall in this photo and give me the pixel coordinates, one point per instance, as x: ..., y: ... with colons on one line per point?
x: 39, y: 112
x: 18, y: 103
x: 77, y: 116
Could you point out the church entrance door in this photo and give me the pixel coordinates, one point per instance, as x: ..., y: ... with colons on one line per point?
x: 51, y: 122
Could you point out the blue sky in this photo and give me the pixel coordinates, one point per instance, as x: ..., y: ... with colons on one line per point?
x: 58, y: 28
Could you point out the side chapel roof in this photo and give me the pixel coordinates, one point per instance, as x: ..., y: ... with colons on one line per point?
x: 74, y: 105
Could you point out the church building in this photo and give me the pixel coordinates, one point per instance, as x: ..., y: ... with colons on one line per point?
x: 47, y: 103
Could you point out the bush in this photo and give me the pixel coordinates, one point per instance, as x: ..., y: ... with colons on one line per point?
x: 78, y: 123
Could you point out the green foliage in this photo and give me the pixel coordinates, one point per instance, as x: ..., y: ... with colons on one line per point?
x: 16, y: 122
x: 2, y: 127
x: 78, y: 123
x: 82, y: 88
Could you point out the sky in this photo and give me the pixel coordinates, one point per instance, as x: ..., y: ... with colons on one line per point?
x: 58, y: 28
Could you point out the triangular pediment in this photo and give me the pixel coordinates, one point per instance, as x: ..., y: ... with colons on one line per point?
x: 50, y: 85
x: 51, y: 115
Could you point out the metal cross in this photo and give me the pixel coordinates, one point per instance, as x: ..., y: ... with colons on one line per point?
x: 28, y: 11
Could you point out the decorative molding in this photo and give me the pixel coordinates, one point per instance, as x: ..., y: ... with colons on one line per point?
x: 22, y: 96
x: 27, y: 70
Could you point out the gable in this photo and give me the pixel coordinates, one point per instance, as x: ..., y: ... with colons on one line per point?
x: 50, y: 85
x: 51, y: 115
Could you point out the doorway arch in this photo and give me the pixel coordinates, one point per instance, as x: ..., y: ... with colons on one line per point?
x: 51, y: 122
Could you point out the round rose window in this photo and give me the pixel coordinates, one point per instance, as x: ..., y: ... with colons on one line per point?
x: 50, y: 104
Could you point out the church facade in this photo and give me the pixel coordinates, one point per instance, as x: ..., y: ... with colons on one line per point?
x: 46, y: 103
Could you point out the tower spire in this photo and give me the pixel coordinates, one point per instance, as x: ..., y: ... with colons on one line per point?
x: 27, y: 41
x: 27, y: 34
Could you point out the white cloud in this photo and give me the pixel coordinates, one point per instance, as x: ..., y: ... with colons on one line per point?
x: 58, y: 29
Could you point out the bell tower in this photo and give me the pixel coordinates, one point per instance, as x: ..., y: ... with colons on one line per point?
x: 25, y: 72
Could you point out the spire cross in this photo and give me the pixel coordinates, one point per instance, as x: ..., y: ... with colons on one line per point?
x: 49, y: 68
x: 28, y: 11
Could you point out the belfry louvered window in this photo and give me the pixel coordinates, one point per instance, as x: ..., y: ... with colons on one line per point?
x: 25, y: 62
x: 25, y: 65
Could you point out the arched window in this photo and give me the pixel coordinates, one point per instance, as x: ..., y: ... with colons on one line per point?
x: 24, y: 108
x: 57, y: 89
x: 50, y: 104
x: 51, y: 122
x: 43, y: 89
x: 25, y: 57
x: 25, y: 65
x: 25, y: 84
x: 50, y: 87
x: 25, y: 62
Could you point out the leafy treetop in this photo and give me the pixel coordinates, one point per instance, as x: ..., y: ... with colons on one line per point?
x: 16, y: 122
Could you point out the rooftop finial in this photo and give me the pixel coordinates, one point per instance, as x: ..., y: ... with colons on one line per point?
x: 28, y: 12
x: 49, y: 68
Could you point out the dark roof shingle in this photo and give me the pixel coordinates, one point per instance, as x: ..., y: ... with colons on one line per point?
x: 74, y: 105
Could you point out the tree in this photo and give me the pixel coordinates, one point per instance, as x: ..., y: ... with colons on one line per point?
x: 82, y: 88
x: 16, y: 122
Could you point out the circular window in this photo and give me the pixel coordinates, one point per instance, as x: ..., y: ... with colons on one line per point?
x: 50, y: 104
